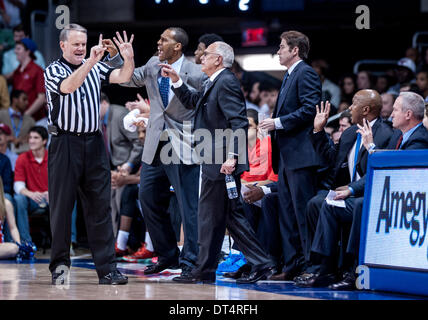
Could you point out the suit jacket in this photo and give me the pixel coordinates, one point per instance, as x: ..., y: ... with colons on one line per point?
x: 221, y: 106
x: 338, y: 154
x: 27, y: 123
x: 296, y: 109
x: 124, y: 145
x: 160, y: 117
x: 417, y: 140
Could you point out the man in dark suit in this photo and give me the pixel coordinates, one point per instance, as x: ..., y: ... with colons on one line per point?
x: 408, y: 114
x: 292, y: 149
x: 220, y: 106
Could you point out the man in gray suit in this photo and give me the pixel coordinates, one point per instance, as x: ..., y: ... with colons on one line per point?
x: 122, y: 146
x: 167, y: 112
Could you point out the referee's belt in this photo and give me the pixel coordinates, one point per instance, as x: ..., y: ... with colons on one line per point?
x: 55, y: 131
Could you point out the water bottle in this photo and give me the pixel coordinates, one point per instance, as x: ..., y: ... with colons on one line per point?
x: 232, y: 191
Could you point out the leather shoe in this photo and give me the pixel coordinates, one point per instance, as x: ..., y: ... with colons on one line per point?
x: 317, y: 280
x: 114, y: 277
x: 159, y: 267
x: 186, y: 270
x: 190, y: 278
x: 241, y: 272
x: 283, y: 276
x: 347, y: 283
x: 262, y: 274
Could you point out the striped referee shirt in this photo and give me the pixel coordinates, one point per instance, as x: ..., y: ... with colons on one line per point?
x: 79, y: 111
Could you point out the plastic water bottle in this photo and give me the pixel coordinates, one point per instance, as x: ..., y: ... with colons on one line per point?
x: 232, y: 191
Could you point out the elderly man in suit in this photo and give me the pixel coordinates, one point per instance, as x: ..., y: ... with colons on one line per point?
x: 122, y: 146
x: 221, y: 106
x: 293, y: 156
x: 167, y: 112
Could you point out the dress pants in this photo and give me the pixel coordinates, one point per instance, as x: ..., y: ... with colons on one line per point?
x: 295, y: 189
x: 313, y: 209
x: 330, y: 222
x: 216, y: 213
x: 155, y: 183
x: 79, y: 164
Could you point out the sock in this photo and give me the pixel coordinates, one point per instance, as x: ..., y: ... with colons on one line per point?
x: 122, y: 239
x: 149, y: 244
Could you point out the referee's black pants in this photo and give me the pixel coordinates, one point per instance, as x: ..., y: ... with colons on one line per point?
x: 79, y: 164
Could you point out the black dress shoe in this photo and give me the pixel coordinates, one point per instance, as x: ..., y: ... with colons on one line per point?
x: 316, y: 280
x: 159, y: 267
x: 283, y: 276
x: 347, y: 283
x: 262, y: 274
x: 114, y: 277
x: 243, y: 271
x: 190, y: 278
x: 302, y: 276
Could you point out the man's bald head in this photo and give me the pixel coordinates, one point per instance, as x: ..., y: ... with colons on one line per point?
x: 366, y: 104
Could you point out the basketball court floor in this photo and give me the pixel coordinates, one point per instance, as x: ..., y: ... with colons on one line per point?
x: 31, y: 280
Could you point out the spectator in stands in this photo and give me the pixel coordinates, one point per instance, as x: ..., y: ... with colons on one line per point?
x: 10, y: 62
x: 29, y: 78
x: 31, y: 180
x: 18, y: 121
x: 8, y: 249
x: 255, y: 95
x: 423, y: 65
x: 246, y: 89
x: 269, y: 95
x: 425, y: 122
x: 321, y: 67
x: 335, y: 136
x: 4, y: 94
x: 404, y: 72
x: 422, y: 83
x: 348, y: 88
x: 122, y: 146
x: 204, y: 41
x: 10, y: 12
x: 382, y: 84
x: 387, y: 104
x: 344, y: 105
x: 344, y: 121
x: 364, y: 80
x: 5, y: 134
x: 412, y: 54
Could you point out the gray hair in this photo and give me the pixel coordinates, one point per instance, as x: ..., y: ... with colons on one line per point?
x: 413, y: 102
x: 63, y: 36
x: 226, y: 51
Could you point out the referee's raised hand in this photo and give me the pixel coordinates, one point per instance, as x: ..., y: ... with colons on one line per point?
x: 97, y: 52
x: 125, y: 46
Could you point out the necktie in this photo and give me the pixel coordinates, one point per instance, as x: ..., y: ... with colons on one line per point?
x: 16, y: 115
x: 207, y: 85
x: 164, y: 90
x: 399, y: 142
x: 284, y: 81
x: 357, y: 150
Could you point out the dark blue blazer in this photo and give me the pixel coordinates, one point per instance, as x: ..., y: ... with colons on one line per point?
x: 296, y: 109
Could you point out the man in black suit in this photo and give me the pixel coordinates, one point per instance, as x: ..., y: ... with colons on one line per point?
x: 220, y: 106
x: 292, y: 149
x: 408, y: 111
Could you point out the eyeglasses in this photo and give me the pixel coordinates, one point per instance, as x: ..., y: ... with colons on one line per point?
x: 207, y: 53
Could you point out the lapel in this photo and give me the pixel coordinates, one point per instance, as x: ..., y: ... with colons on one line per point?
x: 347, y: 145
x: 210, y: 86
x: 282, y: 95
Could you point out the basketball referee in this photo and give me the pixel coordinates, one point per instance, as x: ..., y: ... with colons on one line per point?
x: 77, y: 160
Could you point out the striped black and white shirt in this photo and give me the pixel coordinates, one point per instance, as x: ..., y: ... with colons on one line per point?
x: 79, y: 111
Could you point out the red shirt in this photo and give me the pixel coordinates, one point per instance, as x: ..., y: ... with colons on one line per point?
x: 260, y: 159
x: 34, y: 174
x: 32, y: 82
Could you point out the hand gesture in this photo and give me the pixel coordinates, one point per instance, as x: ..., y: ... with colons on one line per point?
x: 111, y: 48
x: 366, y: 133
x: 168, y: 71
x: 97, y: 51
x: 142, y: 104
x: 124, y: 46
x: 229, y: 166
x: 322, y: 116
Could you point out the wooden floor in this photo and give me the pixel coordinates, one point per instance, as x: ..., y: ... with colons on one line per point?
x: 28, y: 281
